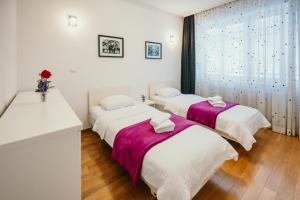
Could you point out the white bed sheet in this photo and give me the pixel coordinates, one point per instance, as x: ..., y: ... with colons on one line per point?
x: 178, y: 167
x: 159, y: 100
x: 239, y: 122
x: 94, y: 114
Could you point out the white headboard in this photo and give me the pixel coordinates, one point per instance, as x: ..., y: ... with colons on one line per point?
x: 153, y: 87
x: 97, y: 94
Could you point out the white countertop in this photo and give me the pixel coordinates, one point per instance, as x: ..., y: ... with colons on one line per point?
x: 27, y: 117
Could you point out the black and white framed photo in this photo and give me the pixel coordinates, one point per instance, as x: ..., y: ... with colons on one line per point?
x: 153, y: 50
x: 109, y: 46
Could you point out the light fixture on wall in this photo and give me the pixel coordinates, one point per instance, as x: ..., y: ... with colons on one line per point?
x: 172, y: 38
x: 72, y: 20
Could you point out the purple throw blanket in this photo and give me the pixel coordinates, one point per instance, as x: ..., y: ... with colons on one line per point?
x: 132, y: 143
x: 206, y: 114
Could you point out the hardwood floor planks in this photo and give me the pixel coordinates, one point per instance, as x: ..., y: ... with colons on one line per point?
x: 271, y: 170
x: 297, y: 187
x: 267, y: 194
x: 287, y: 185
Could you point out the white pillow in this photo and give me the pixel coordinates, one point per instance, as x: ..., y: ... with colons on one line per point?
x: 116, y: 102
x: 168, y: 92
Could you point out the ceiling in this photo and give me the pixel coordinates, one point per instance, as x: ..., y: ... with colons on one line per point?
x: 182, y: 7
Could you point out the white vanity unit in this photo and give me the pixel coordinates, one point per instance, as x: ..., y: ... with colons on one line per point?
x: 40, y: 149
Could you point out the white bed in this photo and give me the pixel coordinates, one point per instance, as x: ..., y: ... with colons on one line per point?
x: 238, y: 123
x: 175, y: 169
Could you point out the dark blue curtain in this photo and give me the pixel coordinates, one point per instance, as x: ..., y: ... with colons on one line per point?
x: 188, y: 65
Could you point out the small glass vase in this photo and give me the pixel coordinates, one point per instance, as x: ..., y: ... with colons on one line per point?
x: 43, y: 96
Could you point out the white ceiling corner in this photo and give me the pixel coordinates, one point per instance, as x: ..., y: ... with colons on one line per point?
x: 182, y: 7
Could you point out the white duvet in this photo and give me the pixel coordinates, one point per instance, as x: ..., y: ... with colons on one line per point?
x: 239, y: 122
x: 178, y: 167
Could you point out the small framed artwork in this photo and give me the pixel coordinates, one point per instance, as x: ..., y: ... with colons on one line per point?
x: 153, y: 50
x: 109, y: 46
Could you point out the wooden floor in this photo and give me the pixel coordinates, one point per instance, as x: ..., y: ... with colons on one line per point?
x: 271, y: 170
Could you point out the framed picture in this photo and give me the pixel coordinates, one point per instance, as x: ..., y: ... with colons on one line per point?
x: 109, y: 46
x: 153, y: 50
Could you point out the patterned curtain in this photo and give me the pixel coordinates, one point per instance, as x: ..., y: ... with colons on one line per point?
x: 248, y: 51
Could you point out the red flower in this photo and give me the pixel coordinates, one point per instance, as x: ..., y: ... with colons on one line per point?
x: 45, y: 74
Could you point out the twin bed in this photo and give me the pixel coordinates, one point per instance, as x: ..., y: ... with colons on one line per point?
x: 239, y: 123
x: 177, y: 168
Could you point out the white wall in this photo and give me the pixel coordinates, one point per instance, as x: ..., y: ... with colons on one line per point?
x: 45, y: 41
x: 8, y: 52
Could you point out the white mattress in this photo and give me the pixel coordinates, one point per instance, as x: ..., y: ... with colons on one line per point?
x: 239, y: 122
x: 178, y: 167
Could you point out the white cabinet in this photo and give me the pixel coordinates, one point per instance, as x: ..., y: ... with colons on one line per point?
x: 40, y: 149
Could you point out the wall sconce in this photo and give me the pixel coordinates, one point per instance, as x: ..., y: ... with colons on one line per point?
x: 72, y: 20
x: 172, y: 38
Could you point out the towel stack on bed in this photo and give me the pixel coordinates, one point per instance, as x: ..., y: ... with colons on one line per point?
x: 162, y: 123
x: 216, y: 101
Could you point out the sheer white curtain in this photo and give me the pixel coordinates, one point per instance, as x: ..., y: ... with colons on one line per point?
x: 248, y: 52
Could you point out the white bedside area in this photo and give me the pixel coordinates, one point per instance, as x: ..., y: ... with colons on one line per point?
x: 149, y: 102
x: 40, y: 151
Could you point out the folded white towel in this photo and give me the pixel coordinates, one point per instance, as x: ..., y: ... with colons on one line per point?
x: 159, y: 119
x: 166, y: 126
x: 219, y: 103
x: 215, y: 98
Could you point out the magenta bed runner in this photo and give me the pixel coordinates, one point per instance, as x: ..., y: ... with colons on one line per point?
x: 132, y: 143
x: 206, y: 114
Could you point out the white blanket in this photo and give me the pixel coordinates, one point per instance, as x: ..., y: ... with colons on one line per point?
x: 178, y: 167
x: 239, y: 122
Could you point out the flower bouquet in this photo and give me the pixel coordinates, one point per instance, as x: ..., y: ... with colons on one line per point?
x: 43, y: 83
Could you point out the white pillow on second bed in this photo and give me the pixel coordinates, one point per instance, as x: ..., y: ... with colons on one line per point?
x: 168, y: 92
x: 116, y: 102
